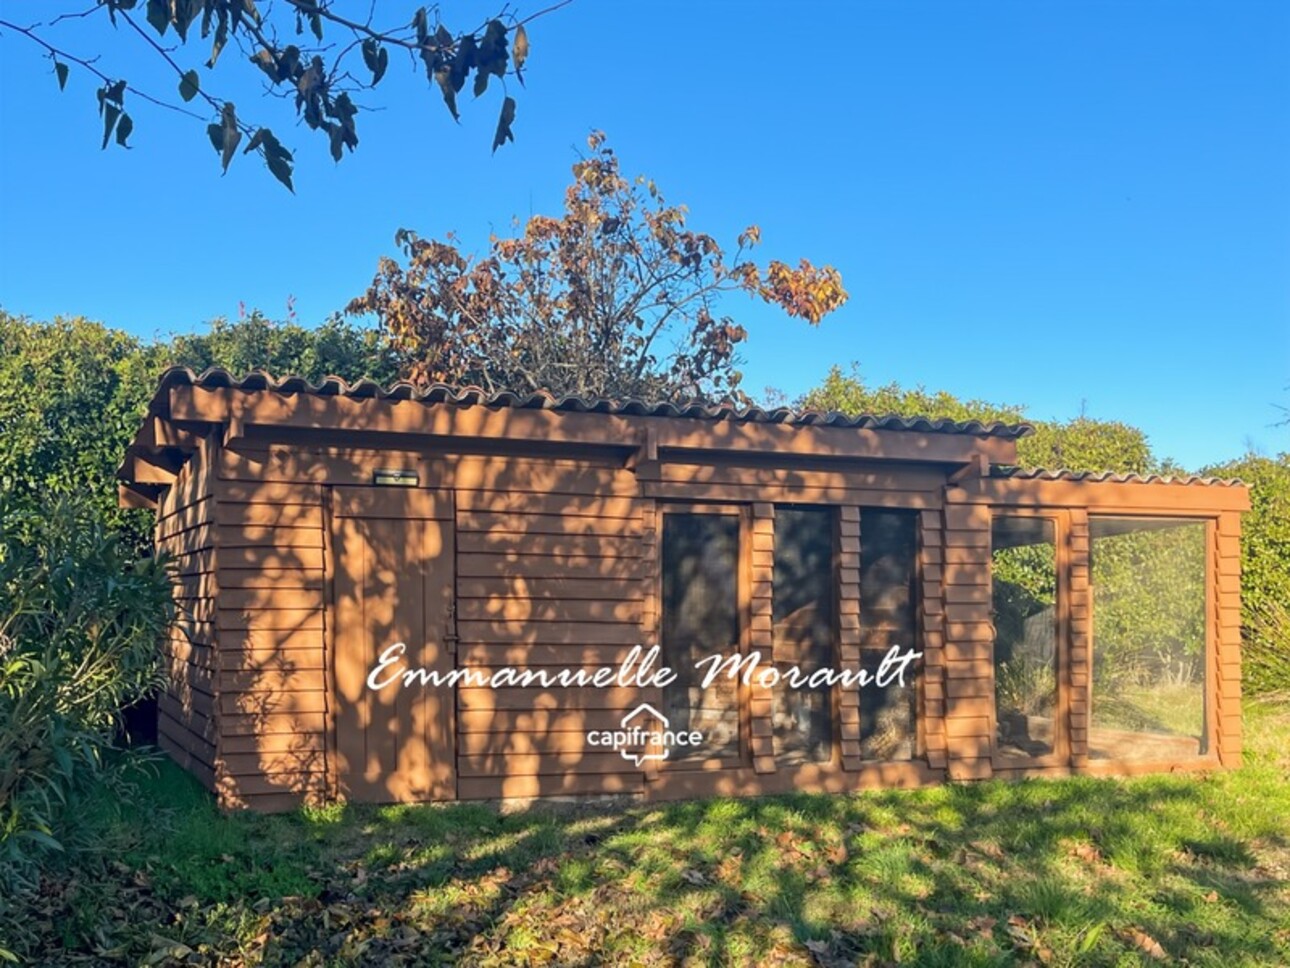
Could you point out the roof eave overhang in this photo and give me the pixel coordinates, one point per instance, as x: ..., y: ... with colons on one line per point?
x: 191, y: 408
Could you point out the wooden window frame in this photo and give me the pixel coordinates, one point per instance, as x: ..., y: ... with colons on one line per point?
x: 1061, y: 754
x: 1209, y: 759
x: 743, y: 693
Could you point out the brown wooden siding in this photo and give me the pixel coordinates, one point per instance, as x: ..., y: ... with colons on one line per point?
x: 1080, y: 666
x: 761, y: 703
x: 726, y: 482
x: 969, y: 671
x: 651, y: 593
x: 274, y: 702
x: 553, y: 568
x: 186, y: 721
x: 849, y: 638
x: 933, y: 711
x: 1225, y: 591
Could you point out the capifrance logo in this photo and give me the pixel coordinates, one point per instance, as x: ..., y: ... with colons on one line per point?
x: 644, y: 734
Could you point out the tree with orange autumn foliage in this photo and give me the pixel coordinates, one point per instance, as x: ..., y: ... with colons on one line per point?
x: 616, y: 298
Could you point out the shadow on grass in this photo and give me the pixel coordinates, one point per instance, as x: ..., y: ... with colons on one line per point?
x: 1079, y: 870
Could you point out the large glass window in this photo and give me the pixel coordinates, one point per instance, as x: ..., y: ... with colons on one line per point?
x: 1148, y: 688
x: 1023, y: 570
x: 700, y: 565
x: 803, y: 623
x: 888, y: 617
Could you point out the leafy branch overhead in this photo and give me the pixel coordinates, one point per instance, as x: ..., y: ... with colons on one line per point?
x: 309, y: 52
x: 616, y: 297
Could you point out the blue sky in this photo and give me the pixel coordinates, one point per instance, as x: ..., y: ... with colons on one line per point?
x: 1073, y: 205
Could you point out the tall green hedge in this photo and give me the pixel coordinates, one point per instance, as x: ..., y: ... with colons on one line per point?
x: 1080, y: 444
x: 1265, y: 570
x: 72, y: 394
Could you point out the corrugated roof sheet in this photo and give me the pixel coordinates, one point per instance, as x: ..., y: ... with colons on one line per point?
x: 474, y: 396
x: 1037, y: 474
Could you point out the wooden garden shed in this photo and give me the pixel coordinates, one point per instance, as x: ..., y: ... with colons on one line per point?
x: 1062, y: 622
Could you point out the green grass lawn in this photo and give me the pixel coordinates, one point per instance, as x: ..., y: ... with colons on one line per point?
x: 1152, y: 870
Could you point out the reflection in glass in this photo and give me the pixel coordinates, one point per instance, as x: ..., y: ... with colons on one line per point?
x: 1023, y: 567
x: 888, y: 569
x: 802, y: 616
x: 700, y: 564
x: 1148, y: 689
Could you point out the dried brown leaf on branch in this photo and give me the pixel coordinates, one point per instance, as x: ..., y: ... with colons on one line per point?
x: 616, y: 297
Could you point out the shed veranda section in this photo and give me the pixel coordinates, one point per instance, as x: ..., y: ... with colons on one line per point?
x: 1055, y: 622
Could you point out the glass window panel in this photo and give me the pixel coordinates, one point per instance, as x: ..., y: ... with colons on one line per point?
x: 1023, y: 567
x: 802, y: 615
x: 700, y: 565
x: 888, y: 599
x: 1148, y: 689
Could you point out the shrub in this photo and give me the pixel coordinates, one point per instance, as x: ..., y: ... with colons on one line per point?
x: 1079, y: 444
x: 1265, y: 571
x: 81, y: 619
x: 72, y: 394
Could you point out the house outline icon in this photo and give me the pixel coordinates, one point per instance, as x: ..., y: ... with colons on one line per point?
x: 639, y: 758
x: 642, y: 708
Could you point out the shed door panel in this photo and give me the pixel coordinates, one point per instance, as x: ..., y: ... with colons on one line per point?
x: 393, y: 583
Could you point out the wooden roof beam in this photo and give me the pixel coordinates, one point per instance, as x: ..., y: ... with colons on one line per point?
x: 411, y: 417
x: 975, y: 469
x: 166, y: 435
x: 139, y: 468
x: 1112, y: 497
x: 643, y: 461
x: 130, y: 496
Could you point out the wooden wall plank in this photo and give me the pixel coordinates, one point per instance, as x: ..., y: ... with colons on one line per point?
x: 1224, y: 682
x: 849, y: 640
x: 186, y: 720
x: 761, y: 642
x: 933, y: 591
x: 967, y: 637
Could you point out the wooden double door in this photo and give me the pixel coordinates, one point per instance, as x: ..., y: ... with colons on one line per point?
x: 392, y: 563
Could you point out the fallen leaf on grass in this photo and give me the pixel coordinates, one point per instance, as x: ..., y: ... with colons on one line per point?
x: 826, y: 957
x: 1089, y: 853
x: 1148, y: 945
x: 164, y: 949
x: 1026, y: 937
x: 1021, y: 930
x: 988, y: 849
